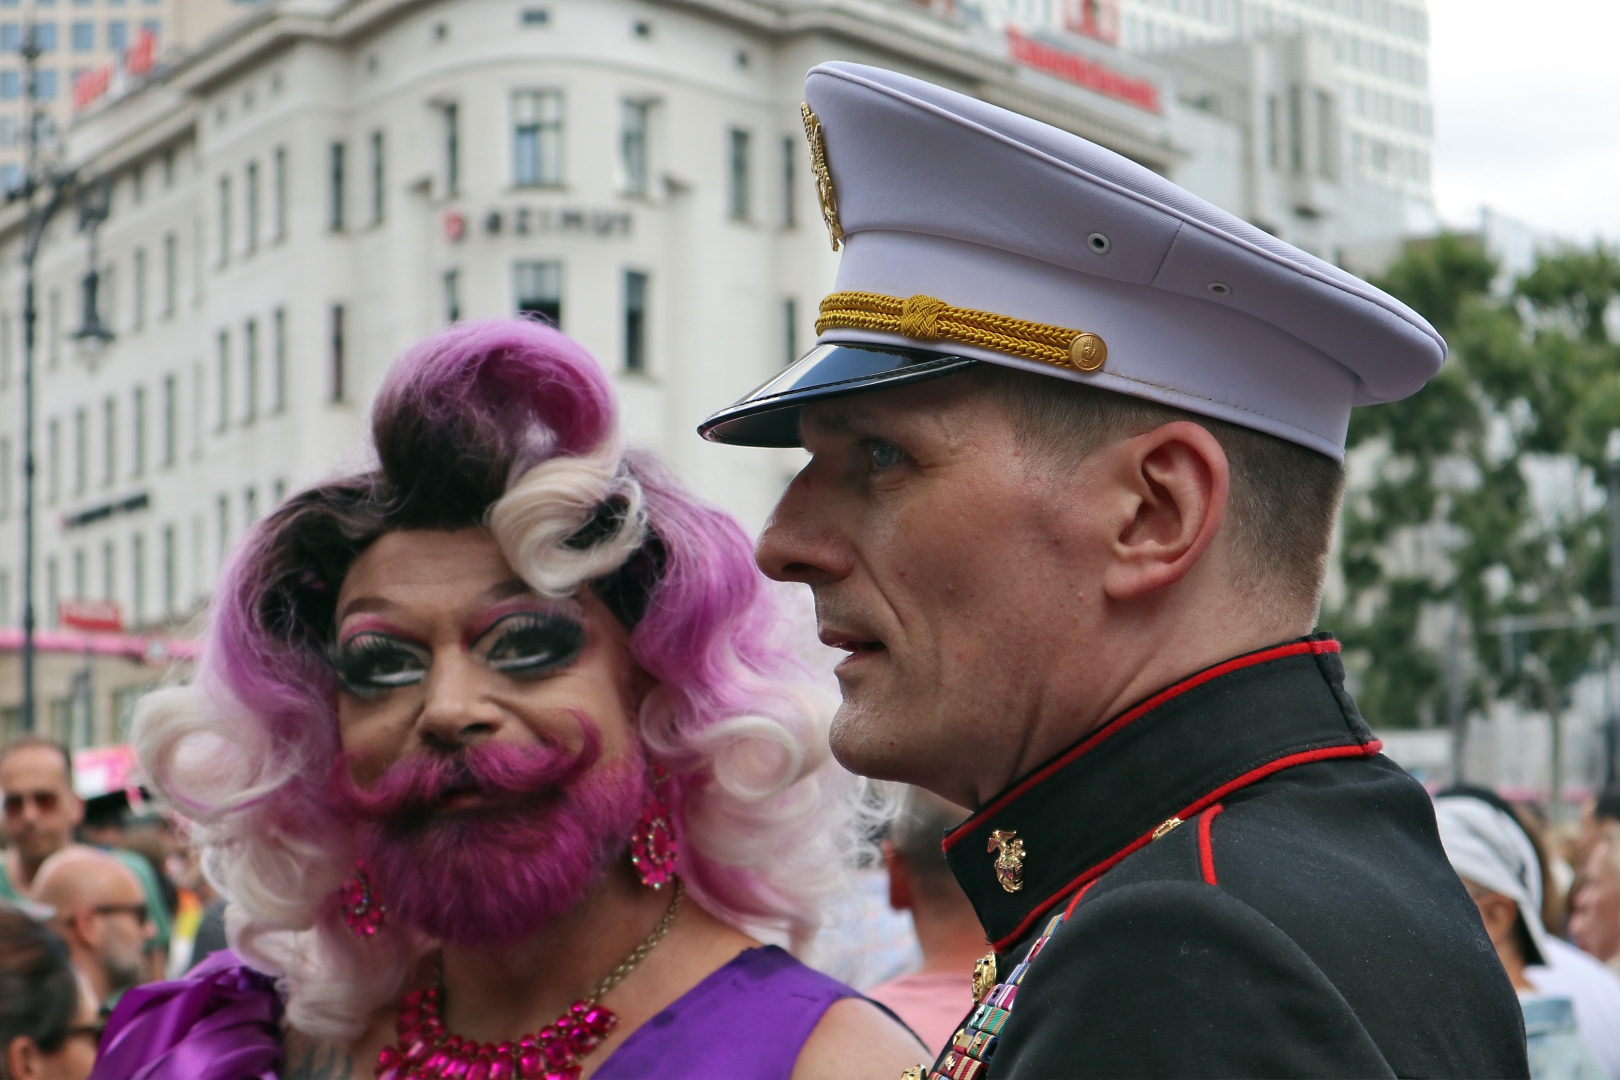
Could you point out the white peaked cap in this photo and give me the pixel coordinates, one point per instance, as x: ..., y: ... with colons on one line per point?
x: 943, y: 196
x: 1491, y: 849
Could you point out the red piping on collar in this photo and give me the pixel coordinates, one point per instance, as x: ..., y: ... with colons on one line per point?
x: 1287, y: 761
x: 1296, y: 648
x: 1206, y: 849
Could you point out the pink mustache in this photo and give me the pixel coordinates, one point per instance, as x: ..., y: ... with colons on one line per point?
x: 414, y: 790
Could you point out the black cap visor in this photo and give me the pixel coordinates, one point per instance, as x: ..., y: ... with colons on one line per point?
x: 770, y: 415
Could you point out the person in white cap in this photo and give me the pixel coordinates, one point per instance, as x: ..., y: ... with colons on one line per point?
x: 1076, y: 446
x: 1497, y: 862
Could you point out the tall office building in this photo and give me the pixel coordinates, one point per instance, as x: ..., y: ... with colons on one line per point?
x: 1379, y: 52
x: 88, y: 49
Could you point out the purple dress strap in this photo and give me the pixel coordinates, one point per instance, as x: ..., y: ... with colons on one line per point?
x: 746, y: 1021
x: 221, y: 1022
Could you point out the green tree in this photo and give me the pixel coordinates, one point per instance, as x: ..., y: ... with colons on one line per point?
x: 1448, y: 520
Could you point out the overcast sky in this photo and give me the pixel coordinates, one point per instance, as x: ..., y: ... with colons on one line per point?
x: 1527, y: 113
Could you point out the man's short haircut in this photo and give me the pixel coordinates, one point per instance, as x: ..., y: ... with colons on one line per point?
x: 1608, y: 805
x: 918, y: 834
x: 22, y: 742
x: 1284, y: 498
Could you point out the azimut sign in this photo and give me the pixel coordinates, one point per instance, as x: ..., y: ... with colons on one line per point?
x: 1083, y: 71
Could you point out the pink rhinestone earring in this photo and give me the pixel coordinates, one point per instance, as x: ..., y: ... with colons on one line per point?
x: 361, y: 912
x: 652, y: 844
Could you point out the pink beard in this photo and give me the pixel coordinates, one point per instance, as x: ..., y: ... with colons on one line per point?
x: 494, y: 874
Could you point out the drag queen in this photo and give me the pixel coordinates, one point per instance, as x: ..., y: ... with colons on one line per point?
x: 495, y: 752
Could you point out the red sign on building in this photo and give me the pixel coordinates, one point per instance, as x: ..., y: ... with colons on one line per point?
x: 90, y: 615
x: 1083, y: 71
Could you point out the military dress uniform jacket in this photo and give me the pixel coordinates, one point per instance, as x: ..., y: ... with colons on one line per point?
x: 1228, y: 880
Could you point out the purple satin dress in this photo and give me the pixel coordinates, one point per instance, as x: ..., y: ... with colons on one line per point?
x: 746, y: 1021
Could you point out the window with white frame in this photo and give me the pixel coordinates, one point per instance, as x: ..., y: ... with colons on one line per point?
x: 537, y: 289
x: 537, y: 138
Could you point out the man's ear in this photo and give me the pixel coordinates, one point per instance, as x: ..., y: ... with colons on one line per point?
x: 22, y: 1058
x: 86, y: 925
x: 1174, y: 481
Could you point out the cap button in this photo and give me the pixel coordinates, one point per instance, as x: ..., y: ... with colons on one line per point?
x: 1087, y: 352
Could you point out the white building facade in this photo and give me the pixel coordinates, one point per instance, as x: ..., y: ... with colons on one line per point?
x: 320, y: 185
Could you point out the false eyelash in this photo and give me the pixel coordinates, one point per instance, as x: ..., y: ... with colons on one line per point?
x: 348, y: 660
x: 567, y: 640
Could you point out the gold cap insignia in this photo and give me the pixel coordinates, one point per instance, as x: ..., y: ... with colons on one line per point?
x: 1165, y: 826
x: 984, y: 977
x: 1009, y: 859
x: 824, y: 184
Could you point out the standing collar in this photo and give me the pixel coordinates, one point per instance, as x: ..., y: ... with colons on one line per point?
x: 1172, y: 755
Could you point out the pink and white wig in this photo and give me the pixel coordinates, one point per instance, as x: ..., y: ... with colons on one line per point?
x: 509, y: 425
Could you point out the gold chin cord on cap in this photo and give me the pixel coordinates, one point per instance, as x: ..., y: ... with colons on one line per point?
x: 926, y: 319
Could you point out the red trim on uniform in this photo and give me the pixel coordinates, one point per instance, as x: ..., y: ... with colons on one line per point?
x: 1113, y: 726
x: 1077, y: 896
x: 1206, y: 853
x: 1253, y: 775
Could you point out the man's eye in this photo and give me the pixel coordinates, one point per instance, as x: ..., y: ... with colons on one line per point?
x: 535, y: 644
x: 370, y: 665
x: 886, y: 455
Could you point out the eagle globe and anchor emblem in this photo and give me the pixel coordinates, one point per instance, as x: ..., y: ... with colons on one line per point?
x: 1009, y: 858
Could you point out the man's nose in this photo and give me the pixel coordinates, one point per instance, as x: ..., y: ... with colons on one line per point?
x: 457, y: 711
x: 801, y: 541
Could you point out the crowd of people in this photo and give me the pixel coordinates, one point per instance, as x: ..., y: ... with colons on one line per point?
x: 83, y: 904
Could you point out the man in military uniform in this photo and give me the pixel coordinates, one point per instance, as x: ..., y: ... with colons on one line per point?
x: 1077, y: 443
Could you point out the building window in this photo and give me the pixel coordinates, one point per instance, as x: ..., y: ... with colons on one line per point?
x: 224, y: 219
x: 452, y: 296
x: 5, y: 478
x: 53, y: 460
x: 790, y: 182
x: 137, y: 579
x: 198, y: 405
x: 280, y: 180
x: 10, y: 84
x: 790, y: 330
x: 140, y: 288
x: 379, y: 187
x: 537, y: 138
x: 1296, y: 131
x: 278, y: 348
x: 53, y: 328
x: 737, y: 175
x: 452, y: 149
x: 1273, y: 132
x: 337, y: 352
x: 84, y: 37
x: 222, y: 366
x: 137, y: 184
x: 109, y: 442
x: 222, y: 524
x: 117, y: 35
x: 633, y: 145
x: 171, y: 274
x: 45, y: 36
x: 137, y: 431
x: 171, y: 587
x: 335, y: 193
x: 250, y: 370
x: 1327, y: 138
x: 251, y: 182
x: 171, y: 419
x: 250, y: 506
x: 538, y: 290
x: 81, y: 574
x: 45, y: 83
x: 635, y: 320
x: 109, y: 571
x: 81, y: 451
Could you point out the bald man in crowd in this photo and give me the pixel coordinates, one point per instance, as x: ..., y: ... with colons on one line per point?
x: 101, y: 914
x: 36, y: 777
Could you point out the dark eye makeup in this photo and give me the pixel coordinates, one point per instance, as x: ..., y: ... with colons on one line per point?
x: 524, y: 644
x: 370, y: 664
x: 533, y: 642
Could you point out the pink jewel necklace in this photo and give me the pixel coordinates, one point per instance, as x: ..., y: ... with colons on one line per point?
x: 425, y: 1051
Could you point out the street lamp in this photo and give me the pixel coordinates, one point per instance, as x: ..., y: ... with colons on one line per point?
x: 95, y: 203
x: 36, y: 216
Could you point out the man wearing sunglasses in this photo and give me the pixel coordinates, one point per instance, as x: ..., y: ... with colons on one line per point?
x: 101, y: 914
x: 36, y: 778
